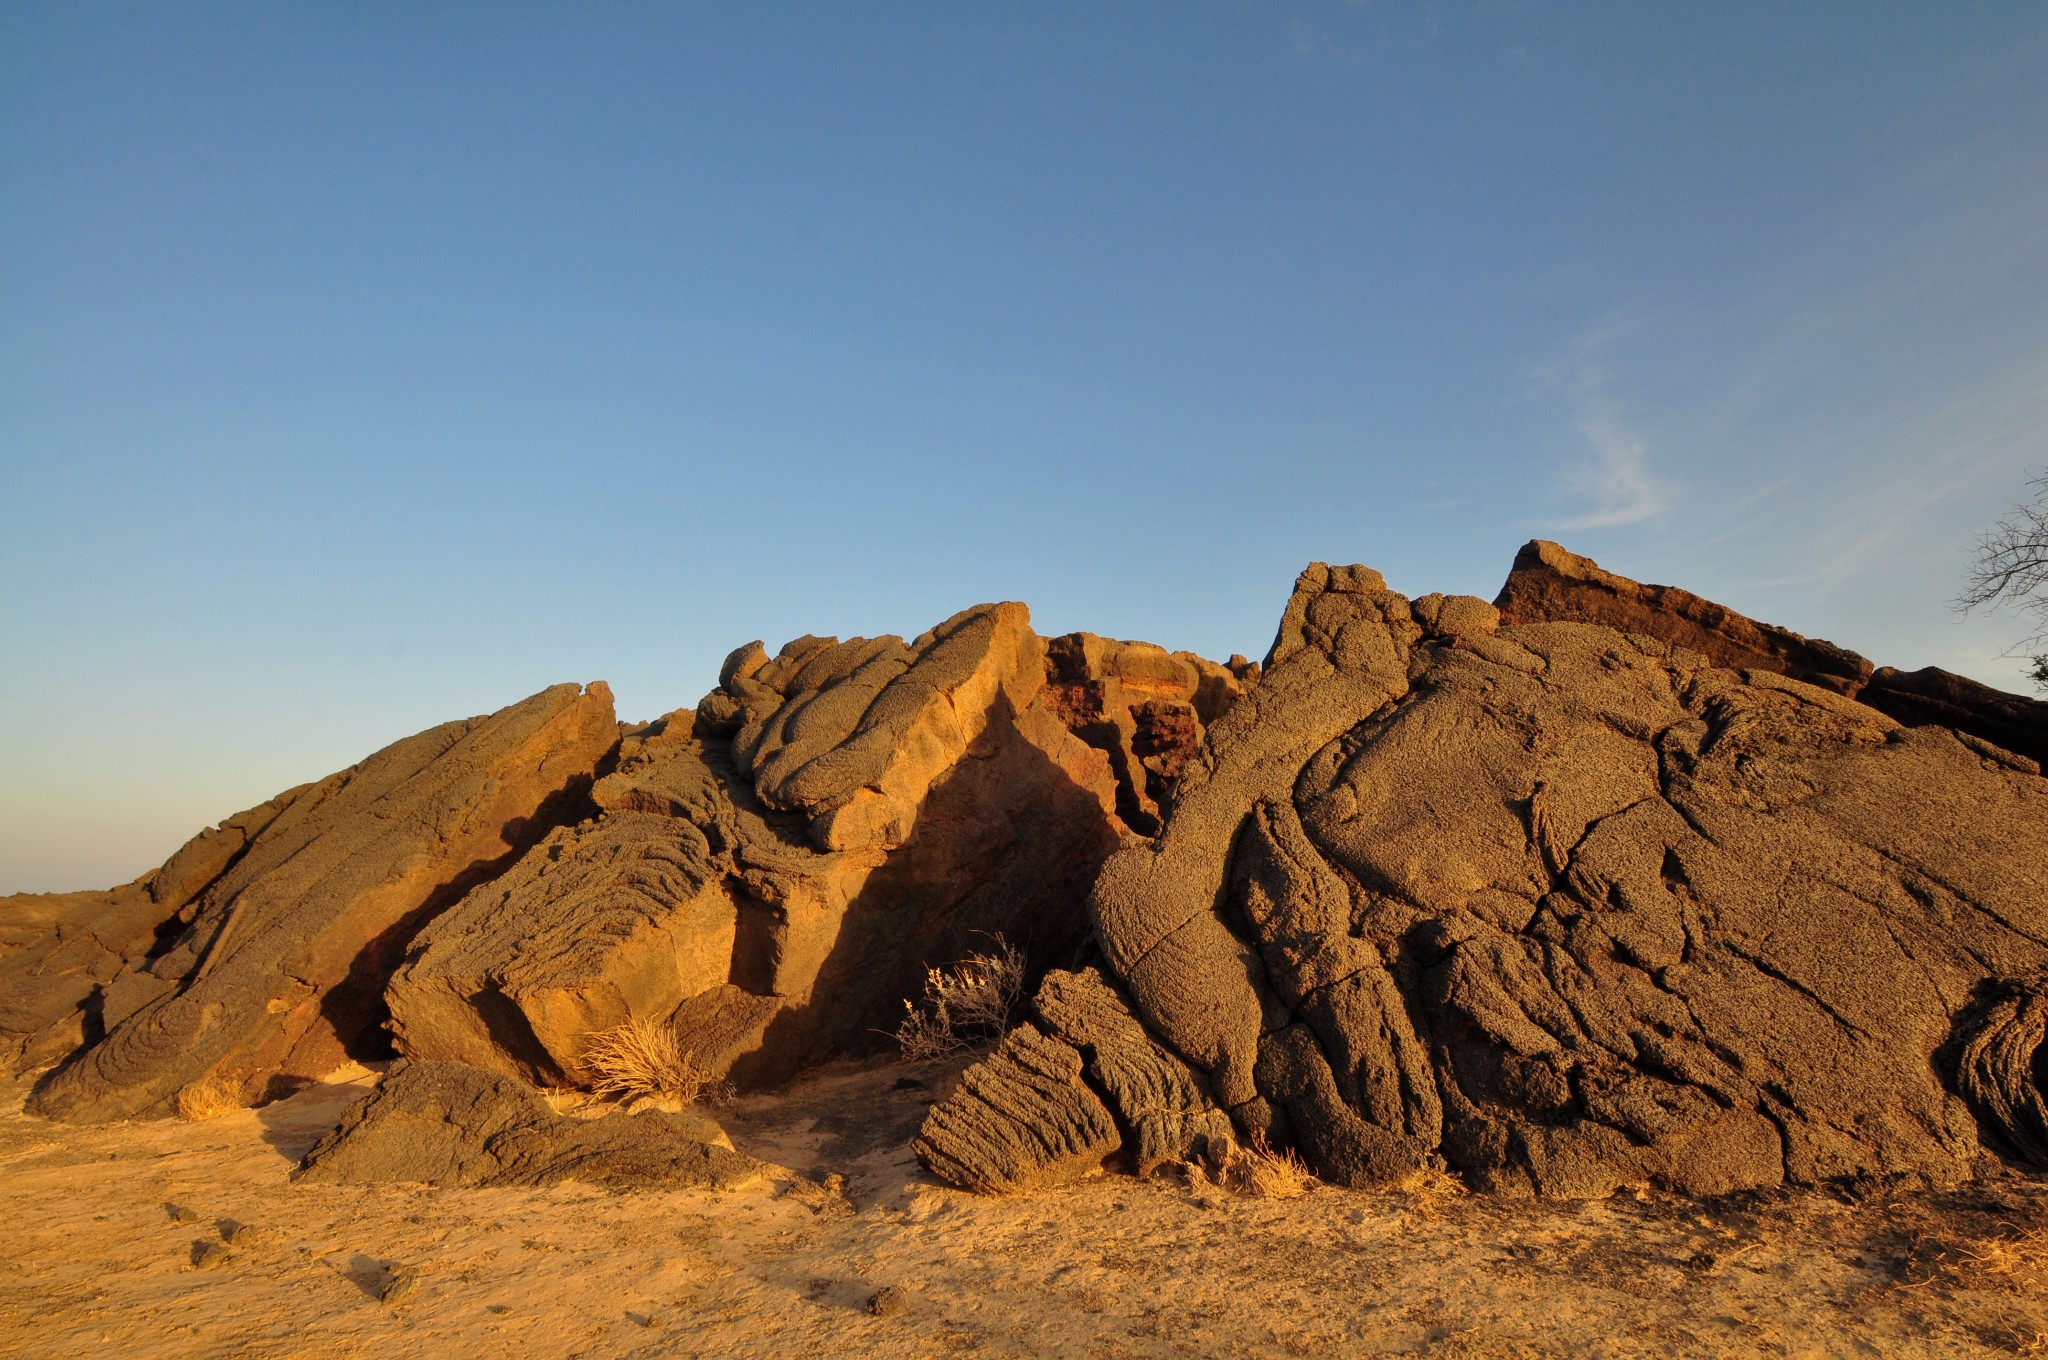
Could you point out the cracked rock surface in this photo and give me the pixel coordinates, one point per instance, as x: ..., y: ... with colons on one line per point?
x: 1572, y: 908
x: 279, y: 973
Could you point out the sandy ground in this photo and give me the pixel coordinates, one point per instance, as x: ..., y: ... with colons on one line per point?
x: 94, y: 1261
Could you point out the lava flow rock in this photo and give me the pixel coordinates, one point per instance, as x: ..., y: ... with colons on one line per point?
x: 771, y: 875
x: 280, y: 973
x: 1571, y: 908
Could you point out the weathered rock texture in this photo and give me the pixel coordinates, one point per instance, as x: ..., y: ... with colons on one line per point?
x: 2000, y: 1059
x: 1144, y: 707
x: 58, y: 950
x: 1570, y: 908
x: 1058, y: 1098
x: 1551, y: 585
x: 772, y: 874
x: 440, y: 1123
x: 280, y: 972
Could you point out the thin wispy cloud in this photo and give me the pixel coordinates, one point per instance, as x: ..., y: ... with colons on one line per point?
x: 1614, y: 485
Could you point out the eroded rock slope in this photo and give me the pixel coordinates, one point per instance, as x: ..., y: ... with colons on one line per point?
x: 280, y: 971
x: 59, y: 950
x: 1569, y: 908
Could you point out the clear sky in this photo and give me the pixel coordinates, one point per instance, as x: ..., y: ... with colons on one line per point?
x: 366, y: 365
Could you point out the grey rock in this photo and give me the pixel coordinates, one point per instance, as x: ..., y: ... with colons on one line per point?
x: 1021, y: 1119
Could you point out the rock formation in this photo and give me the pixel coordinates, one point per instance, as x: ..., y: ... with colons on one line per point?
x: 1058, y: 1096
x: 1569, y: 908
x: 772, y: 874
x: 1142, y: 706
x: 58, y: 950
x: 1551, y: 585
x: 280, y: 972
x: 1600, y: 885
x: 447, y: 1124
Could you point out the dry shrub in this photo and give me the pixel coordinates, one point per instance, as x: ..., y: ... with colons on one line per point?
x: 1255, y: 1169
x: 964, y: 1004
x: 643, y: 1059
x: 2014, y: 1261
x: 1432, y: 1183
x: 563, y: 1099
x: 207, y: 1097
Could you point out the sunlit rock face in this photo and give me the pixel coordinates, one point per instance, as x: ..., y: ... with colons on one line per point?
x: 1571, y: 908
x: 772, y: 874
x: 768, y: 876
x: 280, y: 972
x: 1598, y: 885
x: 1551, y: 585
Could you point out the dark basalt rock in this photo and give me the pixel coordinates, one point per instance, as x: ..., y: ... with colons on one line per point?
x: 1573, y: 908
x: 440, y: 1123
x: 2000, y: 1061
x: 1022, y: 1118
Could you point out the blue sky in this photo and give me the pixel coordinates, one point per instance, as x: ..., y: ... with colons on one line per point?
x: 366, y: 365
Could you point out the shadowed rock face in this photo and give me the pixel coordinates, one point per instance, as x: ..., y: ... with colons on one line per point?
x: 1551, y: 585
x: 772, y: 874
x: 1572, y: 909
x: 446, y: 1124
x: 279, y: 973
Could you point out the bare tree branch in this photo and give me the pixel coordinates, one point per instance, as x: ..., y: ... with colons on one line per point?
x: 2012, y: 570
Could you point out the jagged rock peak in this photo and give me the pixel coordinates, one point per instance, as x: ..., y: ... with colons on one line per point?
x: 770, y: 875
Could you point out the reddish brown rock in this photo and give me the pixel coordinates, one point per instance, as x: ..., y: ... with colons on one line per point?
x: 1931, y: 696
x: 1551, y: 585
x: 280, y: 972
x: 1142, y: 706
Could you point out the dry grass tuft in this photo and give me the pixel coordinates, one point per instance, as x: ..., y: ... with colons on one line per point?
x: 964, y: 1004
x: 207, y: 1097
x: 643, y: 1059
x: 2014, y: 1261
x: 1434, y: 1182
x: 1255, y: 1170
x: 563, y: 1099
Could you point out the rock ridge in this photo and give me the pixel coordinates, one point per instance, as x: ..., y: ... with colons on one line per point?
x: 1568, y: 908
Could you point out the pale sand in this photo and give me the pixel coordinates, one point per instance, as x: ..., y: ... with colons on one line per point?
x: 92, y: 1262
